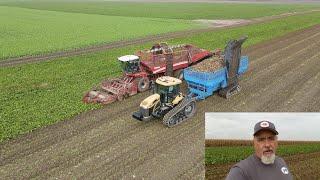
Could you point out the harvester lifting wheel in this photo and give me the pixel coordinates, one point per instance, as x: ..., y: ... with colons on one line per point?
x: 120, y: 97
x: 143, y: 84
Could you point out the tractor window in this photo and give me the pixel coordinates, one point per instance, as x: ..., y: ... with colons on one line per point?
x: 173, y: 91
x: 163, y: 92
x: 130, y: 66
x: 167, y: 93
x: 161, y: 89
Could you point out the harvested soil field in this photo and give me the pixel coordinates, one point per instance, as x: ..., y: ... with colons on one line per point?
x: 107, y: 143
x: 302, y: 166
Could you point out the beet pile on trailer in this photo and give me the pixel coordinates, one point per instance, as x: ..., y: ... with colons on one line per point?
x: 213, y: 63
x: 142, y: 68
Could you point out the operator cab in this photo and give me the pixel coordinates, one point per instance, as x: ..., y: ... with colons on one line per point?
x: 130, y: 63
x: 168, y: 88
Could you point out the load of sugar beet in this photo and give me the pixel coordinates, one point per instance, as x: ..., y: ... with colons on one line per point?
x: 211, y: 64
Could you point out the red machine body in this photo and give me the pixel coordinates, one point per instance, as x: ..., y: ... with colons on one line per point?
x: 142, y: 68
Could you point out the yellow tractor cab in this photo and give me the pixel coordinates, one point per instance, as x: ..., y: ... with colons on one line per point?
x: 164, y: 101
x: 168, y: 88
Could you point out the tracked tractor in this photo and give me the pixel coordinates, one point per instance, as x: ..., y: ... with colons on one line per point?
x: 167, y: 103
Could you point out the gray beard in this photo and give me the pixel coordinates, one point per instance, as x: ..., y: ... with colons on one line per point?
x: 268, y: 160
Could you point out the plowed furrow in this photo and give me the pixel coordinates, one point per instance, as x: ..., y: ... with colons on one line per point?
x: 285, y: 79
x: 273, y: 44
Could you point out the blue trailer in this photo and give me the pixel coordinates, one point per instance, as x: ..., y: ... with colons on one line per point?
x: 224, y: 80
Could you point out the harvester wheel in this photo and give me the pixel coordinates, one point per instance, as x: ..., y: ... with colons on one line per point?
x: 143, y: 84
x: 120, y: 97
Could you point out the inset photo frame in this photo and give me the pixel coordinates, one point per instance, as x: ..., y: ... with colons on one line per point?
x: 256, y: 145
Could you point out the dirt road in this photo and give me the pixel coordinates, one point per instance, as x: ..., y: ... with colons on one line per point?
x: 108, y: 144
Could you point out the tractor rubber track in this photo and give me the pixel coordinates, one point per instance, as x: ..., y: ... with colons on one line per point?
x: 107, y: 143
x: 180, y: 107
x: 119, y: 44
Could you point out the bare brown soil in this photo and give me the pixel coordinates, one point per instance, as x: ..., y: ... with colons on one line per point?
x: 108, y: 144
x: 212, y: 27
x: 302, y: 166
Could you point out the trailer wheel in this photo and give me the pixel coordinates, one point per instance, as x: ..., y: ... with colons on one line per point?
x: 238, y: 88
x: 179, y: 74
x: 143, y: 84
x: 228, y: 94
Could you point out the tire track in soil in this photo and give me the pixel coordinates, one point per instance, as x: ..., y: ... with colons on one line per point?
x: 29, y: 144
x: 268, y: 46
x: 167, y: 146
x: 127, y: 156
x: 284, y: 78
x: 57, y: 156
x: 197, y: 170
x: 108, y: 143
x: 284, y: 89
x: 304, y: 98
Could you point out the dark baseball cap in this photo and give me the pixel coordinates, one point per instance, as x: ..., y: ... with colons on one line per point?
x: 265, y: 125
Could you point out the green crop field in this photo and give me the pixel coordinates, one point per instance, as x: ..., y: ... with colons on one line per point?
x: 35, y: 95
x: 45, y: 31
x: 49, y: 26
x: 256, y: 33
x: 221, y: 155
x: 166, y: 10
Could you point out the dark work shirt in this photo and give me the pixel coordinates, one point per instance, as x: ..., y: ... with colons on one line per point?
x: 253, y: 169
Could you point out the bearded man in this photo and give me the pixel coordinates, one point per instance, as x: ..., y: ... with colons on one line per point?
x: 263, y: 164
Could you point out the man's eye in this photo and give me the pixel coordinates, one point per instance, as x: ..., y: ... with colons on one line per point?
x: 272, y: 138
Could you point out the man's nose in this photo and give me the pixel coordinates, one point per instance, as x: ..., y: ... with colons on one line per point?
x: 267, y: 143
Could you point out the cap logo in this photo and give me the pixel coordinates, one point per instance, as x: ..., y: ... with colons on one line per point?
x: 285, y: 170
x: 264, y: 124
